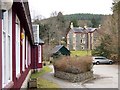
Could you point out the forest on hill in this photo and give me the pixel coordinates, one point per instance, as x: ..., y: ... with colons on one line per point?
x: 53, y: 29
x: 90, y: 19
x: 79, y: 19
x: 83, y: 16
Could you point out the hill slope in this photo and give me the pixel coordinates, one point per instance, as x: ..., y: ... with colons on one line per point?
x: 53, y: 29
x: 82, y: 16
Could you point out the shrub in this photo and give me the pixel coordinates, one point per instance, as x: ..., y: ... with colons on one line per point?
x: 74, y: 64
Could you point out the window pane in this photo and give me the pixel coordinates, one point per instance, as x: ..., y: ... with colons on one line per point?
x: 17, y: 46
x: 6, y: 48
x: 9, y: 58
x: 9, y: 21
x: 23, y: 54
x: 26, y: 51
x: 4, y: 58
x: 5, y: 21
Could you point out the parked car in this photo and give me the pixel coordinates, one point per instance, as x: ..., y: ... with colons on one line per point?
x: 101, y: 60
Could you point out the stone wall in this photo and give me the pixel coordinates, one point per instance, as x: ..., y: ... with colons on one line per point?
x: 73, y: 77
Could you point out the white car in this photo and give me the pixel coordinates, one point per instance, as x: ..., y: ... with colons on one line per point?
x: 101, y: 60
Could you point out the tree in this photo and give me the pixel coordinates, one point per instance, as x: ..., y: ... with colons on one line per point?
x: 108, y: 38
x: 60, y: 26
x: 94, y: 23
x: 102, y: 50
x: 75, y: 23
x: 43, y: 31
x: 54, y: 14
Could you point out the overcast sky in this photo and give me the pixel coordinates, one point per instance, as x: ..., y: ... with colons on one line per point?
x: 46, y: 7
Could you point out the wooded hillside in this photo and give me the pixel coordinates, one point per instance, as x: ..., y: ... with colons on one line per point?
x: 82, y: 16
x: 54, y: 29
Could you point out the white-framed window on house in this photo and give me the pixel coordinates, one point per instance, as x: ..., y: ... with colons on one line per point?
x: 39, y: 54
x: 23, y: 52
x: 29, y: 54
x: 17, y: 47
x: 6, y: 47
x: 83, y: 35
x: 82, y: 47
x: 74, y: 46
x: 26, y: 61
x: 81, y: 40
x: 74, y: 35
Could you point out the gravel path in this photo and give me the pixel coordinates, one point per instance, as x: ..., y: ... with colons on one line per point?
x: 62, y: 83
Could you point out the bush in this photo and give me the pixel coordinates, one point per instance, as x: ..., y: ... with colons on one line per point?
x: 101, y: 51
x: 74, y: 64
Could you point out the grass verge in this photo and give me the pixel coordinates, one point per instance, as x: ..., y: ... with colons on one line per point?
x: 43, y: 83
x: 80, y: 53
x: 44, y: 70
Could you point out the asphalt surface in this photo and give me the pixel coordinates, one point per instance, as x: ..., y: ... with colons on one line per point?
x: 105, y: 76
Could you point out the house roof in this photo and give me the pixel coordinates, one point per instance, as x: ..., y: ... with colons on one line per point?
x: 23, y: 13
x: 57, y: 48
x: 41, y: 41
x: 83, y: 30
x: 25, y: 6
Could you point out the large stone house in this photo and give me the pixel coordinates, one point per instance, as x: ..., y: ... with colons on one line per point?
x: 79, y: 38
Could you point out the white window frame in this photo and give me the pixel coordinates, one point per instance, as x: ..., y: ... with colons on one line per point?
x: 26, y: 63
x: 28, y: 51
x: 82, y: 47
x: 29, y: 54
x: 74, y: 34
x: 82, y: 35
x: 39, y: 54
x: 6, y: 48
x: 17, y: 47
x: 23, y: 52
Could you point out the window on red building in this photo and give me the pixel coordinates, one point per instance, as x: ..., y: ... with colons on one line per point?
x: 26, y: 61
x: 39, y: 54
x: 23, y: 53
x: 17, y: 47
x: 7, y: 47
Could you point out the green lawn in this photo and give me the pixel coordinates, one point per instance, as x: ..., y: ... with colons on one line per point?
x: 80, y: 53
x: 44, y: 70
x: 41, y: 82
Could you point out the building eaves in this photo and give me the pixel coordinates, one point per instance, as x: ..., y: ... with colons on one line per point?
x: 56, y: 49
x: 84, y: 30
x: 41, y: 41
x: 28, y: 18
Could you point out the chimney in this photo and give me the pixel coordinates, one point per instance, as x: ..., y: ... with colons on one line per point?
x: 99, y: 26
x: 85, y: 27
x: 71, y: 25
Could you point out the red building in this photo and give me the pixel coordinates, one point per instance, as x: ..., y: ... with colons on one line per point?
x: 18, y: 52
